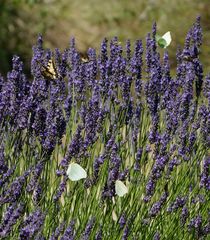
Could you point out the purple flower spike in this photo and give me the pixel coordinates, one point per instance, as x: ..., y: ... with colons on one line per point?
x: 99, y: 234
x: 13, y: 213
x: 32, y: 225
x: 88, y: 228
x: 69, y: 232
x: 184, y: 215
x: 156, y: 236
x: 14, y: 191
x: 196, y: 224
x: 156, y: 207
x: 178, y: 203
x: 55, y: 235
x: 205, y: 175
x: 61, y: 189
x: 122, y: 220
x: 126, y: 233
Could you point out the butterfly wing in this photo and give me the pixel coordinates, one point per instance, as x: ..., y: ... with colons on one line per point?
x: 167, y: 38
x: 120, y: 188
x: 49, y: 71
x: 75, y: 172
x: 85, y: 59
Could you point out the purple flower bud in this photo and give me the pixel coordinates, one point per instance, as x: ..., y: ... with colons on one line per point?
x: 11, y: 216
x: 205, y: 176
x: 37, y: 194
x: 197, y: 32
x: 156, y: 207
x: 3, y: 165
x: 39, y: 124
x: 138, y: 158
x: 150, y: 188
x: 7, y: 216
x: 206, y: 89
x: 156, y: 236
x: 96, y: 165
x: 99, y: 234
x: 88, y: 228
x: 39, y: 236
x: 206, y: 228
x: 158, y: 167
x: 136, y: 66
x: 59, y: 173
x: 128, y: 50
x: 203, y: 115
x: 172, y: 164
x: 55, y: 128
x: 14, y: 191
x: 178, y: 203
x: 127, y: 229
x: 148, y: 149
x: 125, y: 233
x: 5, y: 176
x: 32, y: 225
x: 123, y: 175
x: 60, y: 189
x: 69, y: 232
x: 196, y: 224
x: 61, y: 63
x: 55, y: 235
x: 122, y: 220
x: 68, y: 106
x: 35, y: 177
x: 74, y: 147
x: 184, y: 215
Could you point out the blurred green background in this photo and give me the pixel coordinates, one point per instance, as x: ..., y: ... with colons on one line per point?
x: 89, y: 21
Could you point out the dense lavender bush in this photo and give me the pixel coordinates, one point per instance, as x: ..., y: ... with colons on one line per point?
x: 122, y: 116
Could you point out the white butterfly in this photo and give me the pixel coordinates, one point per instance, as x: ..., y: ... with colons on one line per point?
x: 164, y: 41
x: 120, y: 188
x: 75, y: 172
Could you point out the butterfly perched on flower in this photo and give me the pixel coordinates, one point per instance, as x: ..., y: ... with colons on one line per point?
x: 84, y: 58
x: 188, y: 58
x: 75, y: 172
x: 49, y: 71
x: 120, y: 188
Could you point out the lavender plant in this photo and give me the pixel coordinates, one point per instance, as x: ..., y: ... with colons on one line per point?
x: 122, y: 119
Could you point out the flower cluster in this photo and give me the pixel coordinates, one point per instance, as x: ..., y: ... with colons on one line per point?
x: 123, y: 119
